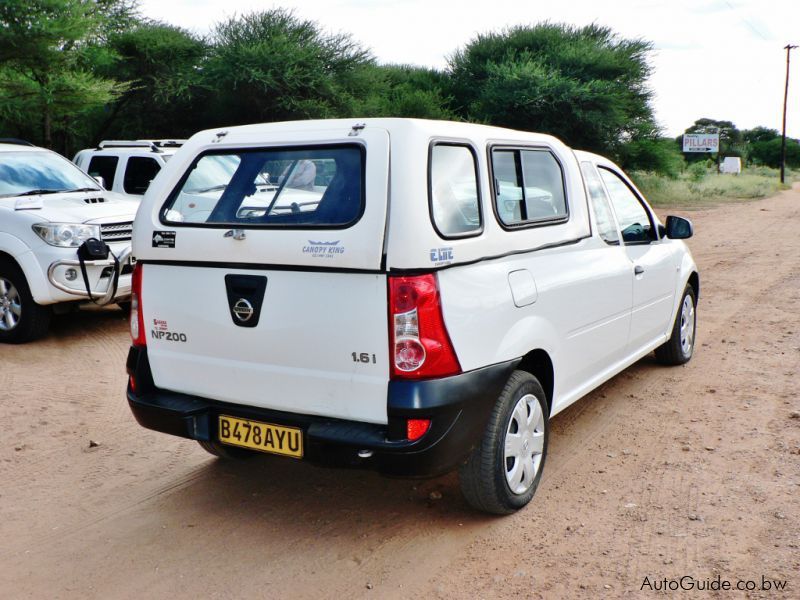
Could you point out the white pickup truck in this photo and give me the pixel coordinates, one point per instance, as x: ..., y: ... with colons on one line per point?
x: 404, y: 295
x: 48, y: 209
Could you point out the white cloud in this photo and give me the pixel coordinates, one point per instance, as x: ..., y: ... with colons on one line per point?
x: 714, y: 58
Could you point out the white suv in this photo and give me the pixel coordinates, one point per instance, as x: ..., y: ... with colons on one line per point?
x: 409, y: 296
x: 48, y: 209
x: 127, y: 166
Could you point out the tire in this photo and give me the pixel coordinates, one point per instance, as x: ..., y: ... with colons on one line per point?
x: 224, y: 451
x: 678, y: 349
x: 21, y: 319
x: 494, y: 480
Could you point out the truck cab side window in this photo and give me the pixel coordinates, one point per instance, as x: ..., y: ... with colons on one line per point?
x: 634, y: 220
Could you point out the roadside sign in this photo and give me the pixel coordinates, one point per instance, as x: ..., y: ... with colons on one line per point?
x: 701, y: 142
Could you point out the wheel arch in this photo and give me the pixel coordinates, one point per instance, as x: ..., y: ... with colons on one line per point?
x: 5, y: 256
x: 9, y: 258
x: 539, y: 364
x: 694, y: 281
x: 18, y: 253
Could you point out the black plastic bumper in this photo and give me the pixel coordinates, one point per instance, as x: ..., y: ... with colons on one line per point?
x: 458, y: 407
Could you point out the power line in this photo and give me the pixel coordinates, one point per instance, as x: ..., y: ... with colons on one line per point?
x: 749, y: 25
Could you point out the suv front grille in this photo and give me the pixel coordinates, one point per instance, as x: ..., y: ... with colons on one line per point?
x: 116, y: 232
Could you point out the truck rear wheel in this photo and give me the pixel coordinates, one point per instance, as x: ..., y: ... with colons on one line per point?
x: 502, y: 473
x: 21, y: 319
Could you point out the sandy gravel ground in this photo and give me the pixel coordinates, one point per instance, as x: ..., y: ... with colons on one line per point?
x: 660, y: 473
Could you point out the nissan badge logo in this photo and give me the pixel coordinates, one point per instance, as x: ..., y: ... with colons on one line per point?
x: 243, y: 310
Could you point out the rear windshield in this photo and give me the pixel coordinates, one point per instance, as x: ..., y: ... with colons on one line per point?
x: 296, y: 187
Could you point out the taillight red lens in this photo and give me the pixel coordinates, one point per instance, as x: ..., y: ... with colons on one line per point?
x: 138, y: 334
x: 420, y: 345
x: 416, y: 428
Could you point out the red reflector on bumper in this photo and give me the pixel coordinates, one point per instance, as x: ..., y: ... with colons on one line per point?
x: 416, y: 428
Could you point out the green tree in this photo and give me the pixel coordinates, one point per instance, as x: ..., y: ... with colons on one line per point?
x: 403, y: 91
x: 760, y: 134
x: 163, y: 65
x: 582, y: 84
x: 272, y: 65
x: 45, y: 49
x: 728, y: 133
x: 769, y: 152
x: 731, y: 142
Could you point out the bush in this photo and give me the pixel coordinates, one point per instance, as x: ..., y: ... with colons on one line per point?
x: 697, y: 172
x: 699, y: 187
x: 660, y: 155
x: 769, y: 153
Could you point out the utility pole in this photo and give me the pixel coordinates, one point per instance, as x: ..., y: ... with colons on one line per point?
x: 788, y: 48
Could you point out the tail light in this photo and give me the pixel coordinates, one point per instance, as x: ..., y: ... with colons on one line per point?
x: 421, y: 347
x: 138, y: 334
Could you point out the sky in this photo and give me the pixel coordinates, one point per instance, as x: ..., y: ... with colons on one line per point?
x: 722, y: 59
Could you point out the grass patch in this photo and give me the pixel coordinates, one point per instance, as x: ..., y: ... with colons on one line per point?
x: 702, y: 188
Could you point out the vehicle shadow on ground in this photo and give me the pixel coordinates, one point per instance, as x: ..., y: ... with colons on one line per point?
x: 272, y: 513
x: 78, y: 322
x: 278, y: 489
x: 264, y: 491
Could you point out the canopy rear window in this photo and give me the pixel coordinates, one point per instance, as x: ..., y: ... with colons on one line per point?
x: 320, y: 186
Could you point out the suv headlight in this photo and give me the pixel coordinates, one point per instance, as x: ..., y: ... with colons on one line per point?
x: 66, y: 235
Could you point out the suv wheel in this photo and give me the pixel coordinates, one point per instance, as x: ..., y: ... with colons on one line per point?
x: 21, y: 319
x: 502, y: 473
x: 678, y: 349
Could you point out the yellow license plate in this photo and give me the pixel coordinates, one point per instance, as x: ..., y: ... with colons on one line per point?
x: 265, y: 437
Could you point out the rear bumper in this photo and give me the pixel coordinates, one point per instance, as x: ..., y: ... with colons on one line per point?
x: 458, y: 407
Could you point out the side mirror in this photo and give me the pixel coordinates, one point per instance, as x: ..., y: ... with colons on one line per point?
x: 100, y: 180
x: 679, y: 228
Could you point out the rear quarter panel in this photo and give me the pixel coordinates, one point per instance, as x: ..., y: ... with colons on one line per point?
x: 482, y: 320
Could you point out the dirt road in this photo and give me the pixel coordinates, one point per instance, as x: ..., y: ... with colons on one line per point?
x: 660, y: 473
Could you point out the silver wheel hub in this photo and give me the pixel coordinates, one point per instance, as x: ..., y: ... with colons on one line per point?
x: 687, y: 325
x: 10, y: 305
x: 524, y: 444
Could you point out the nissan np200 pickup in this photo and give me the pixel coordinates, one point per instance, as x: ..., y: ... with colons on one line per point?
x: 404, y: 295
